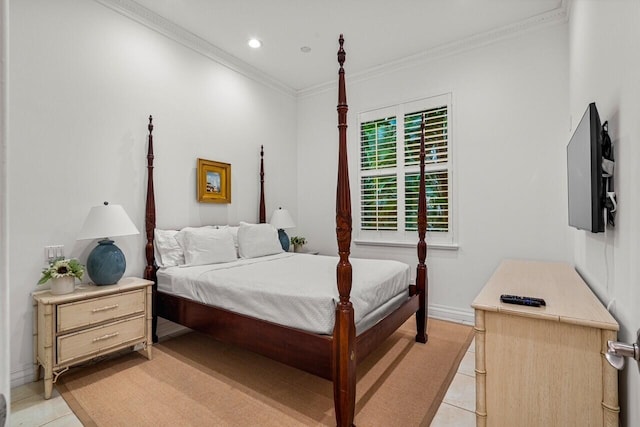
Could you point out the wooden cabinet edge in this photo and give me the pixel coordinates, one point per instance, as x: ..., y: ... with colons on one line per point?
x: 480, y: 369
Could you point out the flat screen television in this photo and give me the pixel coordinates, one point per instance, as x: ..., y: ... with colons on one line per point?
x: 584, y: 170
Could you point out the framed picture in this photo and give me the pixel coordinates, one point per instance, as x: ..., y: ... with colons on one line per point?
x: 214, y: 181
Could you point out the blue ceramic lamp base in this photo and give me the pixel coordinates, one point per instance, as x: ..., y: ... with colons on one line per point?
x: 284, y: 240
x: 106, y: 263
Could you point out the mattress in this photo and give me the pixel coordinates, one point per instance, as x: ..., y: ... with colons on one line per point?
x: 296, y: 290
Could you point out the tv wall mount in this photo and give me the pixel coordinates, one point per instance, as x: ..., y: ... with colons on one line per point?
x: 608, y: 166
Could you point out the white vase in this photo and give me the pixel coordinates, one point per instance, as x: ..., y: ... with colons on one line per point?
x: 63, y: 285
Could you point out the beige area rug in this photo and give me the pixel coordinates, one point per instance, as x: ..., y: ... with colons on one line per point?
x: 196, y: 381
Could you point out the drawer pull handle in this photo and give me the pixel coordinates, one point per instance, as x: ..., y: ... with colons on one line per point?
x: 105, y: 308
x: 106, y: 337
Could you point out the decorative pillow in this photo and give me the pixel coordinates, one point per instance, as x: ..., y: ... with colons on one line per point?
x: 206, y: 245
x: 255, y: 240
x: 167, y: 250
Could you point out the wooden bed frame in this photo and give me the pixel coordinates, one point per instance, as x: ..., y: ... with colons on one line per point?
x: 333, y: 357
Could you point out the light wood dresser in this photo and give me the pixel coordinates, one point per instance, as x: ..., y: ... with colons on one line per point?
x: 543, y: 366
x: 90, y: 322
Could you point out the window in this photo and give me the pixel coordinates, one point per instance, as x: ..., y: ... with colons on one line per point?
x: 389, y: 172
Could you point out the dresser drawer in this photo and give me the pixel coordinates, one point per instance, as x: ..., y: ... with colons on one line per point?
x: 84, y: 313
x: 96, y: 340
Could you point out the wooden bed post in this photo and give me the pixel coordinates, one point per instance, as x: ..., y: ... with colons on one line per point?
x: 421, y: 271
x: 263, y: 215
x: 150, y: 224
x: 344, y: 360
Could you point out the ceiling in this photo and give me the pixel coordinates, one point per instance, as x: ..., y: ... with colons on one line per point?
x: 376, y: 32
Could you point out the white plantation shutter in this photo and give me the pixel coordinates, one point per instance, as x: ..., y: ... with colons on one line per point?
x: 379, y: 202
x: 436, y: 136
x: 437, y: 186
x: 436, y: 143
x: 389, y: 170
x: 378, y: 144
x: 379, y: 193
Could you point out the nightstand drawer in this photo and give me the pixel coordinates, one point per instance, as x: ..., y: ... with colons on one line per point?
x: 102, y: 338
x: 84, y: 313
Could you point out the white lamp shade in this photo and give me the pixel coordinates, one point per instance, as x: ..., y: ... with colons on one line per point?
x: 107, y: 221
x: 281, y: 219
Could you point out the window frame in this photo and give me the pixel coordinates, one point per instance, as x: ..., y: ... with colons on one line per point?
x: 401, y: 238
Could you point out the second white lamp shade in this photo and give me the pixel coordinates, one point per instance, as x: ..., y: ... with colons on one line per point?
x: 281, y: 219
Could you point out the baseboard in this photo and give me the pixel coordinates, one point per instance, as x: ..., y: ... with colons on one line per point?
x: 167, y: 328
x: 452, y: 314
x: 22, y: 376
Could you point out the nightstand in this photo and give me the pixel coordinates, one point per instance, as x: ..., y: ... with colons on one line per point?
x: 90, y: 322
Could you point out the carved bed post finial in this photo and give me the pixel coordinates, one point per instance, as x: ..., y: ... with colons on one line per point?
x: 341, y: 53
x: 344, y: 358
x: 421, y: 271
x: 263, y: 214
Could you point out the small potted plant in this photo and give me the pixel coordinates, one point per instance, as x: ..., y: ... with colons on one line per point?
x: 298, y: 242
x: 62, y: 273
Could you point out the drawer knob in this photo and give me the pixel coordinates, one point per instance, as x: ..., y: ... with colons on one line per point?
x: 105, y: 308
x: 106, y: 337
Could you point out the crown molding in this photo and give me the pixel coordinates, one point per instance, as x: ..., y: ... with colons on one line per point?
x: 553, y: 17
x: 155, y: 22
x: 152, y: 20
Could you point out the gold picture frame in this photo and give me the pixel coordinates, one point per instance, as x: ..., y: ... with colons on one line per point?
x: 214, y: 181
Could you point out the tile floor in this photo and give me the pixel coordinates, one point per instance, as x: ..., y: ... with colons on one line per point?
x: 459, y: 404
x: 28, y: 408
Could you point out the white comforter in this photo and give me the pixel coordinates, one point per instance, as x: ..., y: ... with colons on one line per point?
x: 297, y: 290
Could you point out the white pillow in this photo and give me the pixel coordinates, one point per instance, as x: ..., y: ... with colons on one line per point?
x: 233, y: 229
x: 206, y: 245
x: 255, y: 240
x: 167, y: 250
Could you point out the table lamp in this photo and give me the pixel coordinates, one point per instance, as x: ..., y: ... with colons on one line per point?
x: 106, y: 262
x: 281, y: 219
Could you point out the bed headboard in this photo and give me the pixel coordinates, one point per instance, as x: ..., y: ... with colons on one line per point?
x: 150, y: 211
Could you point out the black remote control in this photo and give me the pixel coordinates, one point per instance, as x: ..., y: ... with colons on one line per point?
x: 539, y: 300
x: 516, y: 299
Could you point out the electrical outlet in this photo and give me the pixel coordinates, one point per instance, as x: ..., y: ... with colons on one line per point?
x: 53, y: 252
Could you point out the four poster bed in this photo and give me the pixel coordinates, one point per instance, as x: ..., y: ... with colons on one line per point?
x: 332, y: 354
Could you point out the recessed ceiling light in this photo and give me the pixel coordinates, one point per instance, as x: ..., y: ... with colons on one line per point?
x: 255, y: 43
x: 305, y: 49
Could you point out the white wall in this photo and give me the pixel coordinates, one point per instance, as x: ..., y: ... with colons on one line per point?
x: 4, y: 283
x: 509, y: 138
x: 83, y: 80
x: 604, y: 67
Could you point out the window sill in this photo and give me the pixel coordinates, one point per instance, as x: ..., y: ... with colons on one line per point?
x: 388, y: 243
